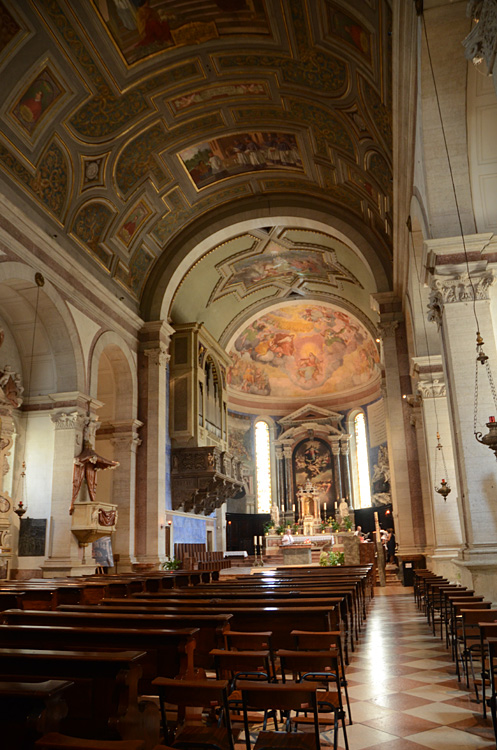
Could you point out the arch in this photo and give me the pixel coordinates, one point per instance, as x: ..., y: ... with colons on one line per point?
x: 217, y: 226
x: 120, y: 357
x: 58, y: 326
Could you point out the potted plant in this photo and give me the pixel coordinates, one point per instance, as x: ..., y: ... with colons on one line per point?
x: 171, y: 564
x: 280, y: 530
x: 268, y: 526
x: 347, y: 522
x: 331, y: 559
x: 295, y: 528
x: 335, y: 526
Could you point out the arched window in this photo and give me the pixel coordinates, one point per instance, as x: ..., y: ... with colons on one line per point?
x: 362, y: 461
x: 263, y: 466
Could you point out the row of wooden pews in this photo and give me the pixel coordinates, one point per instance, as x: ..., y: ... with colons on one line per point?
x: 106, y: 642
x: 469, y: 624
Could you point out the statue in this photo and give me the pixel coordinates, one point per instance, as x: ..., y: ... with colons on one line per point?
x: 343, y: 509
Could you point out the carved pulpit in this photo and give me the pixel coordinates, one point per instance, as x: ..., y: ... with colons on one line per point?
x: 91, y: 519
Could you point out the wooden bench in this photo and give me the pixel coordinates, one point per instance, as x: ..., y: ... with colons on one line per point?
x: 164, y: 652
x: 29, y: 709
x: 209, y: 629
x: 102, y: 700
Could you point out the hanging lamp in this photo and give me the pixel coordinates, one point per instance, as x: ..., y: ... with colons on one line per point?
x: 22, y: 502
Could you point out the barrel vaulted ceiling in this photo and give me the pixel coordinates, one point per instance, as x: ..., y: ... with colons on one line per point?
x: 125, y: 123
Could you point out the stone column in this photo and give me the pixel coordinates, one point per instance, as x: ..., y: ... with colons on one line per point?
x: 407, y: 500
x: 280, y: 474
x: 435, y: 417
x: 345, y: 461
x: 290, y: 490
x: 125, y: 441
x: 151, y: 457
x: 337, y: 474
x: 451, y: 302
x: 65, y: 555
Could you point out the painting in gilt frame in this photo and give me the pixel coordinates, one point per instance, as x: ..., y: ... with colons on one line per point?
x: 36, y: 101
x: 212, y: 161
x: 140, y: 28
x: 312, y: 461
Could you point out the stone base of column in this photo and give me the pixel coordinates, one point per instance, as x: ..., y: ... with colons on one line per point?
x: 125, y: 564
x: 479, y: 573
x: 441, y: 562
x: 66, y: 567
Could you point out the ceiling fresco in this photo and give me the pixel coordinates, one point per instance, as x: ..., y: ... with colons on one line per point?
x: 236, y: 279
x: 302, y: 351
x: 125, y: 122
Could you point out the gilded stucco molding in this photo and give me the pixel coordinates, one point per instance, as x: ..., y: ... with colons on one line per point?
x: 481, y: 42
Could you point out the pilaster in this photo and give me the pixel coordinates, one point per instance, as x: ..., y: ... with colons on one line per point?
x: 444, y: 514
x: 153, y: 360
x: 456, y: 298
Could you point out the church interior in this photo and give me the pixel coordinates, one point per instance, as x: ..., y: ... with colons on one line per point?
x: 247, y: 266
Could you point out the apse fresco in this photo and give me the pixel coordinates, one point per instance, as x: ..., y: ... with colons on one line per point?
x: 300, y: 350
x: 240, y: 153
x: 140, y: 28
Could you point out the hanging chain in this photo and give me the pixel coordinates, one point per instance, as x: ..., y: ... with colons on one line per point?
x: 475, y: 415
x: 482, y: 359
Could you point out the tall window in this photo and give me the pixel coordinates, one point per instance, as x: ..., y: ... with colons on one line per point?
x: 362, y: 462
x: 263, y: 466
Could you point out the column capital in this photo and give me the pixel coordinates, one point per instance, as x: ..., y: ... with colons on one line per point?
x: 158, y: 356
x: 287, y: 451
x: 68, y: 420
x: 447, y: 290
x: 432, y: 388
x: 481, y: 42
x: 387, y: 329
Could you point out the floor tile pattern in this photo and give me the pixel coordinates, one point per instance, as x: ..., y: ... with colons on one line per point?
x: 403, y: 690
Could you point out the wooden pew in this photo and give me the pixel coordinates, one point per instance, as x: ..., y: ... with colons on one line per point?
x: 102, y: 701
x: 209, y: 629
x: 163, y: 651
x: 29, y: 709
x: 280, y: 620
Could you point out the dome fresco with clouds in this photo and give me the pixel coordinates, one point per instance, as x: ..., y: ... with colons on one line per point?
x: 300, y: 350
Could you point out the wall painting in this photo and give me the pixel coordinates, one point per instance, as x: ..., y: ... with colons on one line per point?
x: 312, y: 461
x: 133, y: 222
x: 36, y: 101
x: 216, y: 93
x: 140, y: 28
x: 231, y: 155
x: 349, y: 30
x: 302, y: 350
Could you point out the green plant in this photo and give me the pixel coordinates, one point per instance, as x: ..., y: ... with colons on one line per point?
x: 268, y: 526
x: 335, y: 526
x: 323, y: 526
x: 280, y: 530
x: 295, y: 528
x: 171, y: 564
x: 347, y: 522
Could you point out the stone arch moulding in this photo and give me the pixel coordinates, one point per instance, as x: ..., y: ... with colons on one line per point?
x: 59, y: 328
x: 214, y: 228
x: 119, y: 354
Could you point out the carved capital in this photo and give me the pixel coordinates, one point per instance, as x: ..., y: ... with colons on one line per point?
x: 387, y: 329
x: 158, y: 356
x: 432, y: 388
x: 481, y: 42
x: 73, y: 420
x: 123, y: 442
x: 462, y: 288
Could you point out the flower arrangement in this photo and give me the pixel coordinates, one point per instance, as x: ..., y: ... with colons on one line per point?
x: 268, y: 526
x: 171, y: 564
x: 331, y: 559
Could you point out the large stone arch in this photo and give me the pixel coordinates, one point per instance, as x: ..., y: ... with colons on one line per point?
x: 58, y: 326
x: 225, y: 222
x: 124, y: 372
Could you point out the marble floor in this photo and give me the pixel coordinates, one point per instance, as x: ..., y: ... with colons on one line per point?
x: 402, y: 686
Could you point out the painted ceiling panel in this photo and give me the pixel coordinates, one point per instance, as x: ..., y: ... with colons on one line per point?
x: 127, y: 122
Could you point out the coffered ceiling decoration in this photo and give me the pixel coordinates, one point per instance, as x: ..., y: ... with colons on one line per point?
x: 126, y: 122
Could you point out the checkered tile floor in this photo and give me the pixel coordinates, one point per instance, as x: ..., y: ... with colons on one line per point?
x: 402, y: 686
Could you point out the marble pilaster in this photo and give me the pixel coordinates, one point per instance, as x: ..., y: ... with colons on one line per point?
x: 151, y: 458
x: 445, y: 521
x: 65, y: 555
x: 125, y: 441
x: 454, y: 301
x: 337, y: 473
x: 396, y: 437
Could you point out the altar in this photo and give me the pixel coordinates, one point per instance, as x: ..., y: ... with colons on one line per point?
x: 296, y: 554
